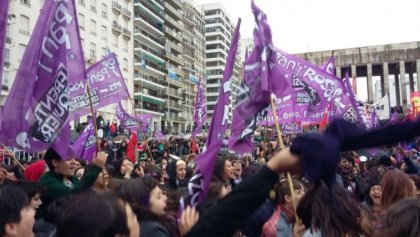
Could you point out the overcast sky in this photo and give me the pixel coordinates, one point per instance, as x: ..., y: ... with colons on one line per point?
x: 299, y: 25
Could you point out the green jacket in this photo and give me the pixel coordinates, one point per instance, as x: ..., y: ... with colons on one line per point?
x: 54, y: 187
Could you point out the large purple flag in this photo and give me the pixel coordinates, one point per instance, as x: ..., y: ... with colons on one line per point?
x: 199, y: 183
x: 85, y: 145
x: 133, y: 123
x: 37, y: 106
x: 374, y: 121
x: 200, y: 114
x: 106, y: 84
x: 4, y: 7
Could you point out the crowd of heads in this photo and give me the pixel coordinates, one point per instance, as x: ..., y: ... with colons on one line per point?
x: 373, y: 195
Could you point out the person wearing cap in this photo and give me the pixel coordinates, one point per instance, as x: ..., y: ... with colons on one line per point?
x: 60, y: 180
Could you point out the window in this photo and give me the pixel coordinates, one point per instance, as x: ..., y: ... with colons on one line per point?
x: 115, y: 40
x: 93, y: 5
x: 26, y: 2
x: 125, y: 64
x: 7, y: 57
x: 93, y: 27
x: 104, y: 10
x: 24, y: 25
x: 22, y: 48
x: 81, y: 21
x: 125, y: 45
x: 104, y: 33
x: 92, y: 51
x: 82, y: 2
x: 5, y: 77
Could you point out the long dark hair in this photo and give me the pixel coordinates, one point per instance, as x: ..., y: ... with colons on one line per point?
x: 137, y: 193
x: 402, y: 219
x: 329, y: 210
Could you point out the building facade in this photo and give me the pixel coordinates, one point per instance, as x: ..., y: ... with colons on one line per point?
x: 104, y: 25
x: 395, y: 66
x: 218, y: 32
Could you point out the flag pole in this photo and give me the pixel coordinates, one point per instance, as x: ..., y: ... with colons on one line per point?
x: 142, y: 132
x: 289, y: 177
x: 13, y: 156
x: 98, y: 145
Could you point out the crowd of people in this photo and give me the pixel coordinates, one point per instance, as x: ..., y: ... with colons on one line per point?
x: 249, y: 195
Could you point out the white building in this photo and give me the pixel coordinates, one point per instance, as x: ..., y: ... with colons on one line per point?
x: 219, y: 29
x: 103, y: 25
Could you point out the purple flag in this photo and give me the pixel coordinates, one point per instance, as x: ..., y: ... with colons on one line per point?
x: 329, y: 66
x: 394, y: 118
x: 199, y: 182
x: 291, y: 128
x: 106, y: 84
x: 133, y: 123
x: 4, y: 7
x: 200, y: 114
x: 37, y: 107
x: 85, y: 145
x: 374, y: 119
x: 158, y: 135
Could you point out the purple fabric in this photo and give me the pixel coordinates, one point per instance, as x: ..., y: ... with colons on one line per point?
x: 291, y: 128
x: 199, y: 182
x: 374, y: 119
x: 394, y: 118
x: 106, y: 84
x: 158, y: 135
x: 329, y: 66
x: 37, y: 107
x: 200, y: 114
x: 133, y: 123
x: 4, y: 7
x: 85, y: 145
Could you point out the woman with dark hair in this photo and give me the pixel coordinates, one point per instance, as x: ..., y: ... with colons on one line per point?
x: 372, y: 212
x: 224, y: 171
x: 329, y: 211
x: 93, y: 215
x: 123, y: 169
x: 33, y: 190
x: 402, y: 219
x: 145, y: 197
x: 122, y: 150
x: 282, y: 221
x: 396, y: 185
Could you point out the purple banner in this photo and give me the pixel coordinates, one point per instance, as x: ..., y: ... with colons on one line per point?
x: 85, y: 145
x: 133, y: 123
x: 291, y: 128
x: 200, y: 114
x: 106, y: 84
x: 158, y: 135
x: 37, y: 106
x: 199, y: 182
x: 4, y: 7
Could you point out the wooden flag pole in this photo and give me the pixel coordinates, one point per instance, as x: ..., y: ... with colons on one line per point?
x: 13, y: 156
x: 98, y: 144
x: 289, y: 177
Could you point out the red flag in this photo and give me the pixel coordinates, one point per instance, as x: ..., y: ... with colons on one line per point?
x: 325, y: 119
x: 131, y: 147
x: 193, y: 145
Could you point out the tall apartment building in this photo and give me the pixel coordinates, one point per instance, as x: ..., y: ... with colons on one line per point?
x: 168, y: 51
x: 149, y: 62
x: 103, y: 25
x: 194, y: 56
x: 218, y: 32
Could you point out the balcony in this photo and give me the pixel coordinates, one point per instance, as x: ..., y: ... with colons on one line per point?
x: 148, y: 23
x: 189, y: 19
x: 126, y: 14
x: 175, y: 47
x: 189, y: 92
x: 126, y: 33
x: 174, y: 82
x: 173, y: 93
x: 156, y: 110
x: 189, y: 43
x: 116, y: 28
x: 153, y: 99
x: 177, y: 3
x: 174, y: 12
x: 116, y: 7
x: 149, y: 81
x: 174, y: 106
x: 174, y: 23
x: 175, y: 59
